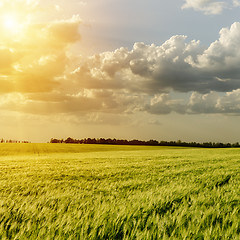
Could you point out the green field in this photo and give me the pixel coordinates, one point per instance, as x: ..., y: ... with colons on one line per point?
x: 61, y: 191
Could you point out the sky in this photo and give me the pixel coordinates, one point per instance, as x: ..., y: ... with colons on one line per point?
x: 126, y: 69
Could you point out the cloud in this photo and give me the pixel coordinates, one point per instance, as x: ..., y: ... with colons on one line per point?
x: 212, y: 102
x: 21, y: 4
x: 101, y: 103
x: 34, y: 60
x: 206, y: 6
x: 49, y: 105
x: 65, y: 31
x: 223, y: 54
x: 163, y: 104
x: 203, y: 103
x: 230, y: 103
x: 127, y: 81
x: 197, y: 103
x: 78, y: 104
x: 210, y: 7
x: 40, y: 74
x: 6, y: 59
x: 176, y: 65
x: 236, y: 3
x: 151, y: 72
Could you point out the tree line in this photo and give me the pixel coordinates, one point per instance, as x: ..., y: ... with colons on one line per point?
x: 12, y: 141
x: 151, y: 142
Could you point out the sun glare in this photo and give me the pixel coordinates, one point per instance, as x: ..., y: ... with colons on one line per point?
x: 10, y: 23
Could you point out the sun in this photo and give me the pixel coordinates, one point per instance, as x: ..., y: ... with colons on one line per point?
x: 10, y: 23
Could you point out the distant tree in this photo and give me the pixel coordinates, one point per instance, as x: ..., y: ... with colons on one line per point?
x: 151, y: 142
x: 69, y: 140
x: 54, y: 140
x: 235, y: 144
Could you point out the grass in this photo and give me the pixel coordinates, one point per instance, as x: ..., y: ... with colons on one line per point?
x: 61, y: 191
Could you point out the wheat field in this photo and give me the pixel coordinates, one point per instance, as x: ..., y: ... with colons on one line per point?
x: 66, y: 191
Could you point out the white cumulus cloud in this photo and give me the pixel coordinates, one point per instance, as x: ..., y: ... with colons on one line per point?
x: 210, y: 7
